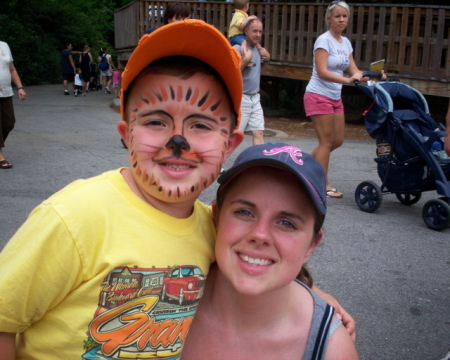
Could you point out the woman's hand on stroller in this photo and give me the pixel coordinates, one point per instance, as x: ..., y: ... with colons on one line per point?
x: 356, y: 77
x: 367, y: 75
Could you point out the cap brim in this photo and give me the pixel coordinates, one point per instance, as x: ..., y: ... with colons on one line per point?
x: 193, y: 38
x: 233, y: 172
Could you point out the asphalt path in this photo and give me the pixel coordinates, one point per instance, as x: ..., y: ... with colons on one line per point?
x: 386, y: 268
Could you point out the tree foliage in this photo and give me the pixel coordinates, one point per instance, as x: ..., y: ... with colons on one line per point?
x: 37, y: 30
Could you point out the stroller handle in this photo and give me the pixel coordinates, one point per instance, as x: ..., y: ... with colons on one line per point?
x: 370, y: 74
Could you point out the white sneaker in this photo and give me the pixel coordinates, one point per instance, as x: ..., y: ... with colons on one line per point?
x: 441, y: 154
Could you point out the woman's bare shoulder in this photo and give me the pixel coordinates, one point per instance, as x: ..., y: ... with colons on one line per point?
x: 341, y: 346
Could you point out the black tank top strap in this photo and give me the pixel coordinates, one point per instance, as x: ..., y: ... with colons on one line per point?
x: 319, y: 346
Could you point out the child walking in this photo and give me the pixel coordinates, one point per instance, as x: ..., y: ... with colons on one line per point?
x: 116, y: 82
x: 79, y: 83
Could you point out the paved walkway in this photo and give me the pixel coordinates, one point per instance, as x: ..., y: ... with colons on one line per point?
x: 388, y: 269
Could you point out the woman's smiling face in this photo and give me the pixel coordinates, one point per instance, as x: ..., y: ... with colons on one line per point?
x: 265, y: 231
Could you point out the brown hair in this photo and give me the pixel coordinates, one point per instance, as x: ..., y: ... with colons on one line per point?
x: 305, y: 276
x: 175, y: 9
x: 240, y: 4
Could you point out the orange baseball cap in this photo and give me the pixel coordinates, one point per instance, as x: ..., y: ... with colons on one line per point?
x: 193, y: 38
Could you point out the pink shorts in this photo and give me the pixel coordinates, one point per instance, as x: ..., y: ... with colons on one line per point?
x: 316, y: 104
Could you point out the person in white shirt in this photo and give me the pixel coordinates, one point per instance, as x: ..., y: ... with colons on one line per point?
x: 323, y: 104
x: 8, y: 73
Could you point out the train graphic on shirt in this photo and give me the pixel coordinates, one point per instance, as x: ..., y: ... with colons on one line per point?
x: 144, y: 313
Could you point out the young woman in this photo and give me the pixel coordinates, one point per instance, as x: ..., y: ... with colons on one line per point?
x: 85, y: 61
x: 106, y: 75
x: 8, y: 74
x: 322, y: 100
x: 269, y: 213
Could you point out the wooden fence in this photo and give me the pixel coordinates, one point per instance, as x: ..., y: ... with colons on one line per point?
x: 414, y: 40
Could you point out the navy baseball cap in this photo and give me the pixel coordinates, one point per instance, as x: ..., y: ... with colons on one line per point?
x: 286, y: 157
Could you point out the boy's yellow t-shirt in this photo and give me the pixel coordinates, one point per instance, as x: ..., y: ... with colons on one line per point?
x: 238, y: 17
x: 95, y: 272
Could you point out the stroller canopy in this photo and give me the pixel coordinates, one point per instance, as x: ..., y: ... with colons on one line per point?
x: 397, y: 100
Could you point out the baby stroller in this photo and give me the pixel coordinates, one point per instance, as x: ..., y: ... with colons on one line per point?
x: 410, y: 157
x: 94, y: 83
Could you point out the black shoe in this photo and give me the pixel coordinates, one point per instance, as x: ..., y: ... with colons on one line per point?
x: 66, y: 92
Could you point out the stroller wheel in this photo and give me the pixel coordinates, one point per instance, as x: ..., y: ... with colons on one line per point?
x: 368, y: 196
x: 408, y: 198
x: 436, y: 214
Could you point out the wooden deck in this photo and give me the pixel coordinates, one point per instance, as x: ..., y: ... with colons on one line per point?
x: 414, y: 40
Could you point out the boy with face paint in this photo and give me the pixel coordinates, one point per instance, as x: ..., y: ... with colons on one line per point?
x: 114, y: 266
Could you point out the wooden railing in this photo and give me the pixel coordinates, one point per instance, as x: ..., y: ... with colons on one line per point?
x: 414, y: 40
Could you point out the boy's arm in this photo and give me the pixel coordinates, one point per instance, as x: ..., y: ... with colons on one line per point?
x: 7, y: 346
x: 244, y: 23
x: 346, y: 318
x: 38, y: 253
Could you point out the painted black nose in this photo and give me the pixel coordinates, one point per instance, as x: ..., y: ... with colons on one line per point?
x: 178, y: 144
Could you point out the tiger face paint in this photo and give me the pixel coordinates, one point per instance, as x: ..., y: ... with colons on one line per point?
x: 178, y: 134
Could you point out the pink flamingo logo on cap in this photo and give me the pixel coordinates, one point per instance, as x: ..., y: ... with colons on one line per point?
x: 293, y: 151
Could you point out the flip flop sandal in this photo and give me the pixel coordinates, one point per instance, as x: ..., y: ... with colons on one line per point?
x: 5, y: 164
x: 333, y: 193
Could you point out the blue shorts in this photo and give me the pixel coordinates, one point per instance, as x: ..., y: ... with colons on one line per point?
x: 237, y: 39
